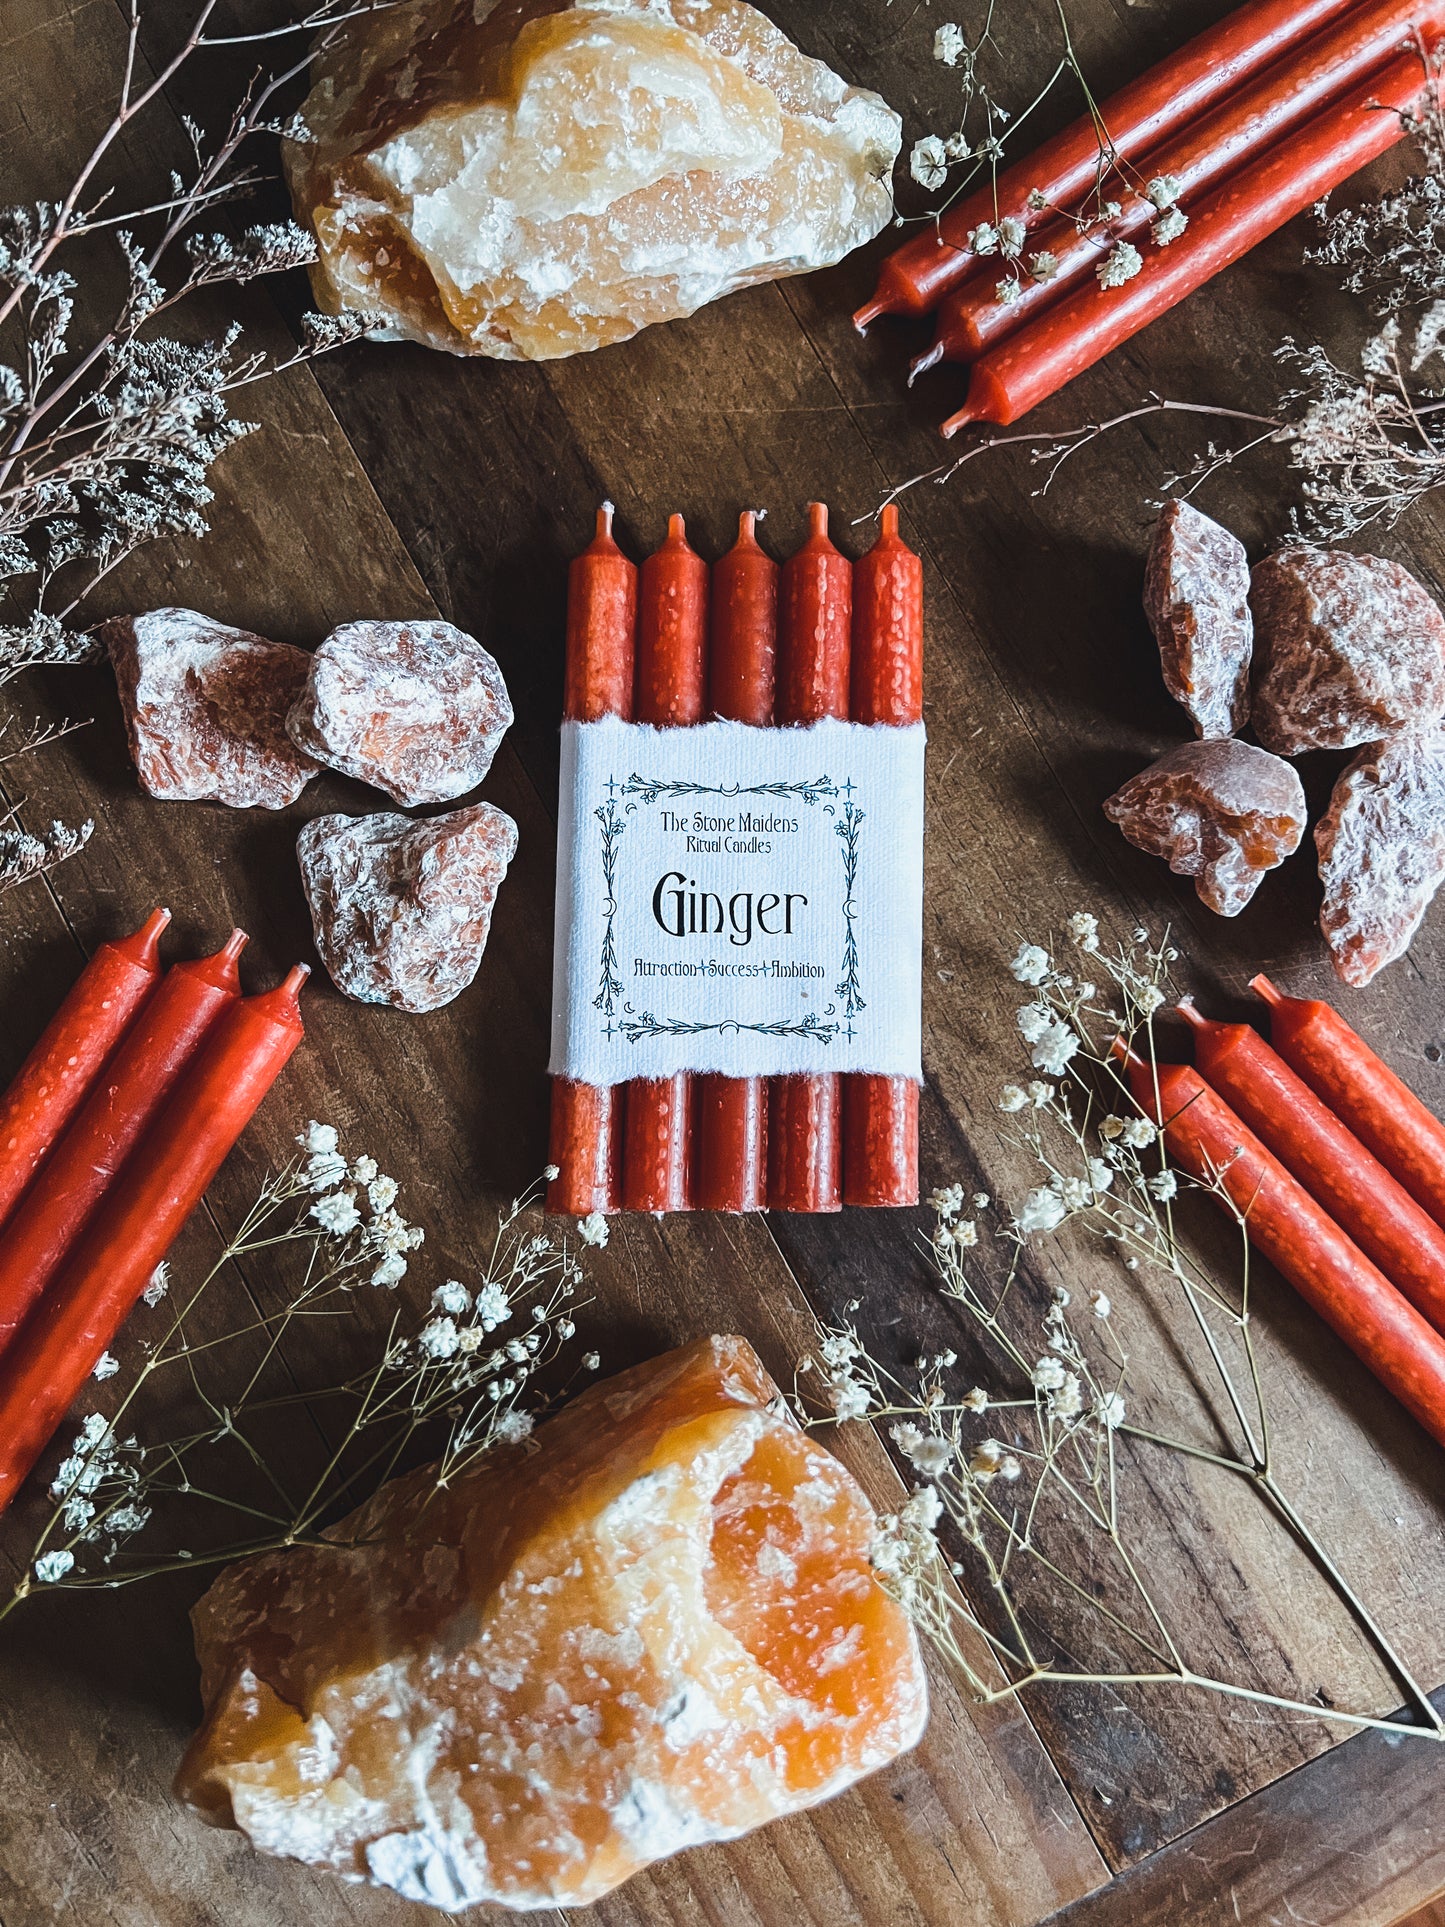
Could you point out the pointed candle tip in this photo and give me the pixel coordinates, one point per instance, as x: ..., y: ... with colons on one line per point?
x: 234, y: 944
x: 818, y: 518
x: 888, y: 521
x: 1262, y: 987
x: 292, y: 983
x: 676, y: 528
x: 144, y: 945
x: 1190, y: 1012
x: 921, y: 364
x: 962, y: 418
x: 868, y: 313
x: 604, y: 519
x: 747, y: 525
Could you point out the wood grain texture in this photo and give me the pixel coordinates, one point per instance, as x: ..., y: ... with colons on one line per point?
x: 1431, y: 1916
x: 392, y: 481
x: 1353, y: 1840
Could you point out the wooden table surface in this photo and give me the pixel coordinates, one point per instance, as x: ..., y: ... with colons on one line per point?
x: 391, y: 481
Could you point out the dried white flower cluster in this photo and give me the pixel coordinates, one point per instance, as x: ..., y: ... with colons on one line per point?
x: 23, y: 856
x: 462, y: 1380
x: 1393, y: 248
x: 977, y: 143
x: 1013, y: 1550
x: 107, y: 437
x: 1366, y: 445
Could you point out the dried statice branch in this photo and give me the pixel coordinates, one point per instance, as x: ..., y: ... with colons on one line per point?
x: 107, y: 443
x: 22, y: 855
x: 454, y: 1382
x: 1017, y: 1552
x: 1053, y: 447
x: 38, y: 736
x: 1393, y: 248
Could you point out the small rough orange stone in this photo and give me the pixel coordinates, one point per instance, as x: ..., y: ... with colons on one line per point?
x: 651, y: 1626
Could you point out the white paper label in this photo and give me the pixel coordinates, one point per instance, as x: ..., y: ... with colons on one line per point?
x: 741, y: 900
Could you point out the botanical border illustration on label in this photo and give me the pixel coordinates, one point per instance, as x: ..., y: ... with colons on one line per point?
x: 645, y: 790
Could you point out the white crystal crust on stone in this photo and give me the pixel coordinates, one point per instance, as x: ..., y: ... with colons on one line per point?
x: 569, y: 1662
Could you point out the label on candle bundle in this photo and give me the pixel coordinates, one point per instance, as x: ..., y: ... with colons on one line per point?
x: 740, y: 900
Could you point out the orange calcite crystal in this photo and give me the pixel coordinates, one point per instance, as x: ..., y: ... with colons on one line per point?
x: 651, y: 1626
x: 531, y: 178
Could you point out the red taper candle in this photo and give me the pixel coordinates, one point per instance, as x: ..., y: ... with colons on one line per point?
x: 1329, y: 1161
x: 732, y: 1112
x: 815, y: 620
x: 52, y: 1083
x: 1170, y: 95
x: 1305, y: 1245
x: 1086, y: 325
x: 671, y: 691
x: 586, y: 1134
x: 62, y: 1341
x: 972, y: 317
x: 1362, y: 1091
x: 126, y: 1097
x: 880, y: 1114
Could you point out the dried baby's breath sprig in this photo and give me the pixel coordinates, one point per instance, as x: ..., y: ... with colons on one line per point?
x: 1014, y: 1552
x: 1364, y: 446
x: 107, y: 438
x: 24, y: 857
x: 976, y: 145
x: 454, y: 1381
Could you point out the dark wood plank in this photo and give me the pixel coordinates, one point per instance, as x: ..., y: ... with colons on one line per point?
x: 976, y: 1826
x: 1032, y: 721
x: 1353, y: 1840
x: 1032, y: 724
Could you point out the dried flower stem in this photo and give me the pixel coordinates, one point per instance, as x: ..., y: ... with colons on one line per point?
x: 1362, y: 446
x: 1033, y: 1505
x: 450, y: 1381
x: 115, y: 449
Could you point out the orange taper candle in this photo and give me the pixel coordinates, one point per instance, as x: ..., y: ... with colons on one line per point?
x: 671, y: 691
x: 127, y: 1095
x: 732, y: 1112
x: 55, y: 1078
x: 815, y: 622
x: 880, y: 1114
x: 62, y: 1341
x: 586, y: 1136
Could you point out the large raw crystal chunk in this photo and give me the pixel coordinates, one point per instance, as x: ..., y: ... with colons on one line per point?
x: 531, y: 178
x: 1381, y: 847
x: 1196, y: 595
x: 1348, y: 647
x: 652, y: 1626
x: 401, y: 909
x: 205, y: 709
x: 1220, y: 811
x: 418, y: 708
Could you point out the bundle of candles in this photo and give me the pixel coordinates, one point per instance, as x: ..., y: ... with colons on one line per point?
x: 1242, y: 129
x: 118, y: 1120
x: 675, y: 644
x: 1337, y: 1168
